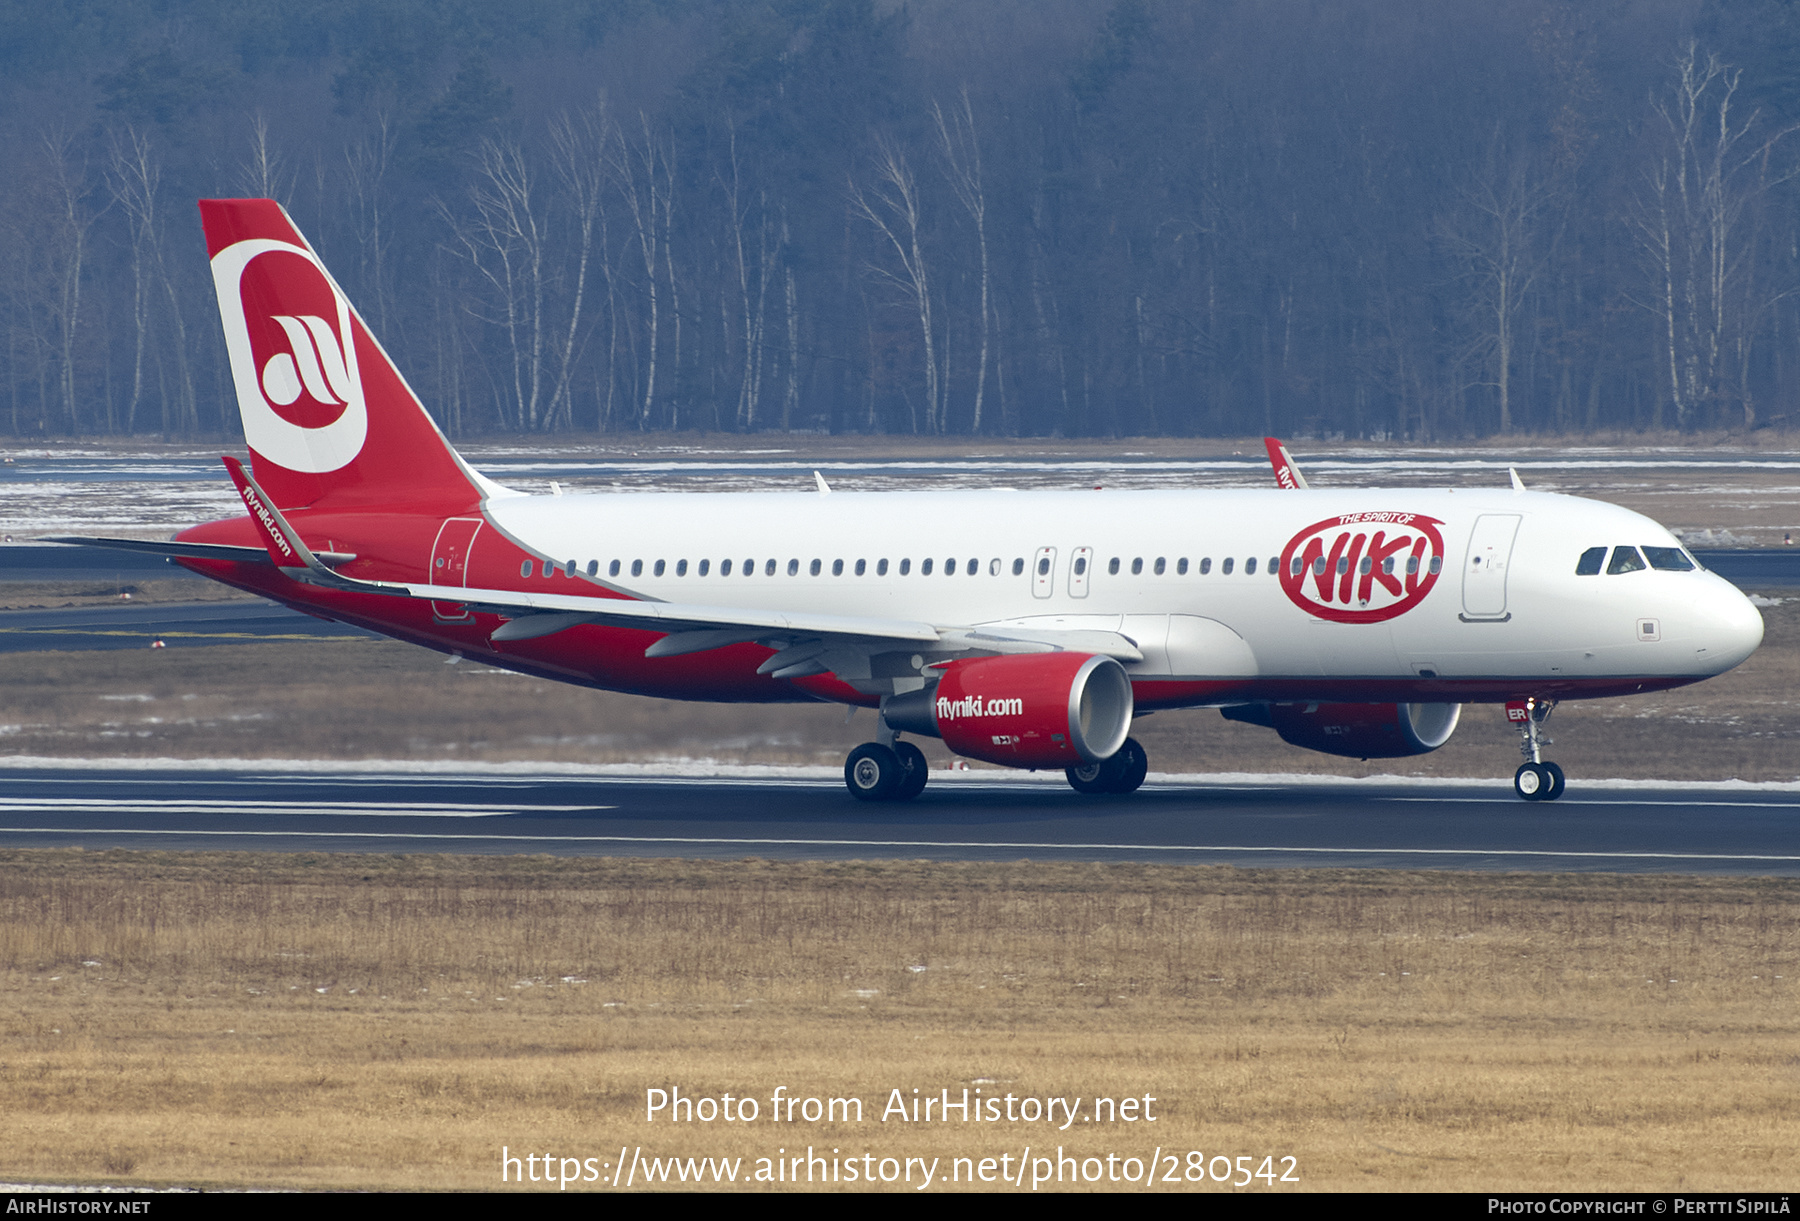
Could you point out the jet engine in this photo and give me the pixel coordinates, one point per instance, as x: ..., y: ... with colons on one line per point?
x: 1356, y: 731
x: 1036, y: 710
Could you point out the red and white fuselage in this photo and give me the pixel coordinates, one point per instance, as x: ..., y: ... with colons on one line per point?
x: 1022, y: 627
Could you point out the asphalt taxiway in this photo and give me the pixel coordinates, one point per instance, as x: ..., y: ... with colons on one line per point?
x: 1617, y: 827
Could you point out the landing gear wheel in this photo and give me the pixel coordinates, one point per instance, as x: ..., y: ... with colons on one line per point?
x: 1533, y: 782
x: 1090, y: 778
x: 873, y: 772
x: 917, y: 771
x: 1557, y: 783
x: 1121, y: 773
x: 1134, y: 765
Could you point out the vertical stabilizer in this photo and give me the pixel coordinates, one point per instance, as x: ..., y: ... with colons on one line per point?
x: 329, y: 420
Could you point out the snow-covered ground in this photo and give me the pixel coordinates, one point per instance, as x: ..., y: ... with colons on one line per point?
x: 150, y: 493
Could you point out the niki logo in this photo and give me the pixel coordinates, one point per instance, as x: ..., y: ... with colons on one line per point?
x: 293, y: 355
x: 1363, y: 567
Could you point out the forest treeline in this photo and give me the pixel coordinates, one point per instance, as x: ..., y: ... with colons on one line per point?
x: 1368, y: 218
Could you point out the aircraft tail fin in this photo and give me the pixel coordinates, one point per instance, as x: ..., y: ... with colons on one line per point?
x: 329, y: 419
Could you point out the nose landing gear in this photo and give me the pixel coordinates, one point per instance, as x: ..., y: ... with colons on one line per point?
x: 1535, y: 780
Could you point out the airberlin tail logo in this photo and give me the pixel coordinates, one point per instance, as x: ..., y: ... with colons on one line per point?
x: 1363, y: 567
x: 293, y: 355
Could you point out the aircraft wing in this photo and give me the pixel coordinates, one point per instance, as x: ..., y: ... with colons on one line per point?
x: 189, y: 551
x: 805, y: 642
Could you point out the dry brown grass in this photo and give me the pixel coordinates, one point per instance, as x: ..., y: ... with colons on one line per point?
x: 338, y: 1021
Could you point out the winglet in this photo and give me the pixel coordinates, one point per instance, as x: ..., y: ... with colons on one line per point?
x: 824, y: 488
x: 1287, y: 473
x: 1518, y: 484
x: 285, y: 548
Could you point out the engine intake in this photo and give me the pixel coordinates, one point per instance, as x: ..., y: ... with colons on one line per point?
x: 1039, y: 710
x: 1356, y: 731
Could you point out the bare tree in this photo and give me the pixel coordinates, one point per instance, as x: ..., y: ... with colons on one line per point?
x: 962, y: 157
x: 134, y: 178
x: 1497, y: 240
x: 1689, y: 219
x: 646, y: 174
x: 892, y: 205
x: 579, y: 156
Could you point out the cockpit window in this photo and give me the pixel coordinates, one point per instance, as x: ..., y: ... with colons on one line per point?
x: 1625, y: 559
x: 1669, y: 559
x: 1591, y: 562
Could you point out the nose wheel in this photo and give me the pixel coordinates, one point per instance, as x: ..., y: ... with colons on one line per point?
x: 1536, y: 779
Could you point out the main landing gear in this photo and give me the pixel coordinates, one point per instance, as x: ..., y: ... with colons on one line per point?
x: 896, y: 771
x: 1535, y: 780
x: 1120, y: 774
x: 877, y: 772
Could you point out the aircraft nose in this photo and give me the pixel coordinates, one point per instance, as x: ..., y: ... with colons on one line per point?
x: 1733, y: 629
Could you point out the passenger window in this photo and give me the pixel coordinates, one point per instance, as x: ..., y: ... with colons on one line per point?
x: 1668, y: 559
x: 612, y: 569
x: 793, y: 568
x: 1274, y: 564
x: 905, y: 567
x: 549, y: 568
x: 862, y: 566
x: 1225, y: 567
x: 637, y: 568
x: 593, y: 568
x: 1625, y: 559
x: 1160, y: 565
x: 1044, y: 567
x: 681, y: 568
x: 1181, y: 566
x: 1137, y: 566
x: 817, y: 567
x: 837, y: 568
x: 1019, y: 567
x: 1206, y: 565
x: 1589, y: 565
x: 525, y: 569
x: 1437, y: 564
x: 950, y: 567
x: 994, y: 567
x: 881, y: 568
x: 925, y: 567
x: 1080, y: 564
x: 750, y: 568
x: 1250, y: 566
x: 659, y: 567
x: 1112, y: 566
x: 724, y: 568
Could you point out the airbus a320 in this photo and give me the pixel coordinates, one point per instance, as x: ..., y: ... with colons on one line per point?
x: 1021, y: 628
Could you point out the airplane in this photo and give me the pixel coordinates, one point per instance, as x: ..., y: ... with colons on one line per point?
x: 1025, y: 629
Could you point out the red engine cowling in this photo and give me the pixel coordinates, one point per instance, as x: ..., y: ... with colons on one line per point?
x: 1356, y: 731
x: 1040, y: 710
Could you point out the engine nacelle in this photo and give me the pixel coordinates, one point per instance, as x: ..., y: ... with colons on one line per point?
x: 1356, y: 731
x: 1041, y: 710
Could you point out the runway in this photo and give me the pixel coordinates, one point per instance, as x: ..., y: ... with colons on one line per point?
x: 1249, y: 822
